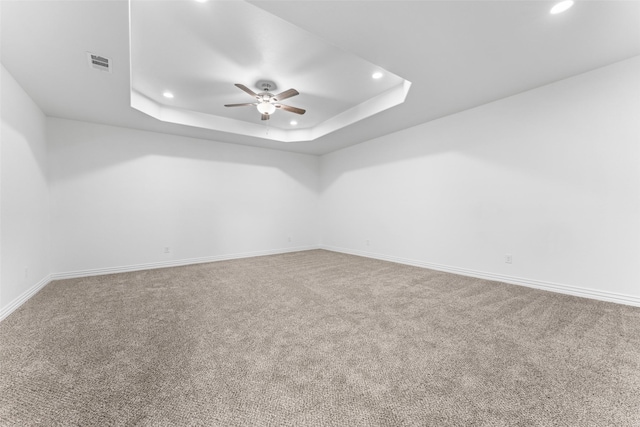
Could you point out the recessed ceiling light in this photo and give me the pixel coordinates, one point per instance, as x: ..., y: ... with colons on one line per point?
x: 377, y: 75
x: 561, y: 7
x: 167, y: 94
x: 293, y: 123
x: 201, y: 1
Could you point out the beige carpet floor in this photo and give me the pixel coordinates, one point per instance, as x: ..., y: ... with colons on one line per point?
x: 315, y: 339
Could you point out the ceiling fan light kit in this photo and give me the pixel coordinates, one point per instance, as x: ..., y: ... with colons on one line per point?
x: 266, y: 108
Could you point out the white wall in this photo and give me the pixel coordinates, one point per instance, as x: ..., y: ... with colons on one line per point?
x: 119, y: 196
x: 550, y: 176
x: 24, y: 199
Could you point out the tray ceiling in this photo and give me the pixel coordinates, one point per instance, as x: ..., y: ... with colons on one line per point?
x: 198, y: 50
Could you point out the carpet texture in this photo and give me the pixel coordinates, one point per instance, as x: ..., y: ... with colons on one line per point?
x: 315, y: 338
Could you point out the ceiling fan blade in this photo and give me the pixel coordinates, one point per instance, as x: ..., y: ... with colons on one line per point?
x: 246, y: 89
x: 265, y: 117
x: 240, y: 105
x: 290, y: 108
x: 286, y: 94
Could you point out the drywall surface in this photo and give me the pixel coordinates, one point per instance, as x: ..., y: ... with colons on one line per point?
x: 24, y: 198
x: 550, y: 177
x: 124, y: 198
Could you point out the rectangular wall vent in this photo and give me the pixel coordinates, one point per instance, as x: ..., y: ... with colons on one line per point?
x: 99, y: 62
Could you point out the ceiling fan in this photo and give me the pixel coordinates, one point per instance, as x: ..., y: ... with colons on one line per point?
x: 267, y: 103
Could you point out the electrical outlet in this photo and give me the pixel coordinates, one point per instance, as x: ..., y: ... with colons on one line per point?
x: 508, y: 259
x: 26, y: 273
x: 167, y: 250
x: 368, y: 242
x: 289, y: 239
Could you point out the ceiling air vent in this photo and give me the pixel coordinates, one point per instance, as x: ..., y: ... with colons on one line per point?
x: 99, y: 62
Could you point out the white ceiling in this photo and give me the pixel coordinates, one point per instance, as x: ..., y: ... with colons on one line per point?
x: 457, y: 54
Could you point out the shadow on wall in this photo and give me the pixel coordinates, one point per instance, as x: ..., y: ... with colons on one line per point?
x: 15, y: 126
x: 100, y: 147
x: 15, y: 138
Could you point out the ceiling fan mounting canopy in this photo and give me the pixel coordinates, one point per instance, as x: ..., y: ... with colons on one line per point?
x: 266, y: 85
x: 267, y: 103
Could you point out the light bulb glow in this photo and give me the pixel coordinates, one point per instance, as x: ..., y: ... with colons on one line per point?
x: 293, y: 123
x: 561, y: 7
x: 377, y: 75
x: 266, y: 108
x: 167, y: 94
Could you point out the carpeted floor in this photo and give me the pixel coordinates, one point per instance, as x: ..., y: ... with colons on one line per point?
x: 315, y: 339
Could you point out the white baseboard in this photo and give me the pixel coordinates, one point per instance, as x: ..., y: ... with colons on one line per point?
x: 531, y: 283
x: 6, y: 311
x: 175, y: 263
x: 22, y: 298
x: 538, y: 284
